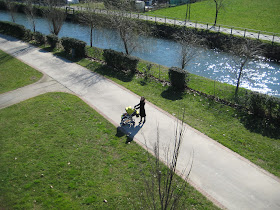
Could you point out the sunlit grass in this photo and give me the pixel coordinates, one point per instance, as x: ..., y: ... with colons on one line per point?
x: 58, y: 153
x: 257, y: 14
x: 236, y: 129
x: 15, y: 74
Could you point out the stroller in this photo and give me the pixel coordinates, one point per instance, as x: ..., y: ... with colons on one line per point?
x: 127, y: 117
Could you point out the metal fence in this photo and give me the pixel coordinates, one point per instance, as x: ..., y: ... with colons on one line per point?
x: 238, y: 31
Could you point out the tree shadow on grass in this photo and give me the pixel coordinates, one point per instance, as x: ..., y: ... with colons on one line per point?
x: 111, y: 72
x: 172, y: 94
x: 5, y: 58
x: 261, y: 125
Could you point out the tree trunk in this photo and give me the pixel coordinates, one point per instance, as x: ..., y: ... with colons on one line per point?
x: 91, y: 29
x: 217, y: 11
x: 239, y: 78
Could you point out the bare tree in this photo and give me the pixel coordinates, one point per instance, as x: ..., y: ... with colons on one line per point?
x: 55, y: 16
x: 219, y: 4
x: 188, y: 11
x: 90, y: 18
x: 244, y: 52
x: 163, y: 191
x: 187, y: 40
x: 12, y: 8
x: 30, y: 12
x: 129, y: 30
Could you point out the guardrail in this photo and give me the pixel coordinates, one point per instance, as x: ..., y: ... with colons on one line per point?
x: 238, y: 31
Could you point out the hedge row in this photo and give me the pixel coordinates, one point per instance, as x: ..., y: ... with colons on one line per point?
x: 74, y: 46
x: 178, y: 78
x: 120, y: 61
x: 12, y: 29
x: 264, y: 106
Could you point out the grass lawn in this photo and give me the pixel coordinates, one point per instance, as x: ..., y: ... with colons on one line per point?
x: 15, y: 74
x: 93, y: 5
x: 58, y: 153
x: 250, y: 14
x: 237, y: 130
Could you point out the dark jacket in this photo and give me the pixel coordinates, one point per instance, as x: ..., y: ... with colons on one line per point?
x: 141, y: 105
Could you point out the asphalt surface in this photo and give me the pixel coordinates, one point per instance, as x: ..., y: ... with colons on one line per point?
x: 226, y: 178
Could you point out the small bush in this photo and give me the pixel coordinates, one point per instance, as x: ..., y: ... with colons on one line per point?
x: 264, y: 105
x: 178, y: 77
x: 3, y: 5
x: 39, y: 38
x: 147, y: 71
x: 77, y: 47
x: 12, y: 29
x: 120, y: 61
x: 52, y: 40
x: 28, y: 35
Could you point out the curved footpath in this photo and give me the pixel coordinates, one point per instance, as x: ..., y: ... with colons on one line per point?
x: 229, y: 180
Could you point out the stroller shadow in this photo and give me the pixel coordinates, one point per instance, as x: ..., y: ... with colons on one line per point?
x: 129, y: 130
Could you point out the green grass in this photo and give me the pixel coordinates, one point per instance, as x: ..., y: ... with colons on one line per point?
x: 93, y: 5
x: 15, y: 74
x: 250, y: 14
x: 251, y: 137
x: 58, y: 153
x: 199, y: 83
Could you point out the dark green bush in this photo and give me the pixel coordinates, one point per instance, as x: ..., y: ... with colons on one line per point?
x: 264, y: 105
x: 178, y: 77
x: 12, y: 29
x: 52, y: 40
x: 28, y: 35
x: 39, y: 38
x: 3, y: 5
x: 120, y: 61
x: 77, y: 47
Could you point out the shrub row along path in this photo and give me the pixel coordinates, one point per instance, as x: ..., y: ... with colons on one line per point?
x: 227, y: 179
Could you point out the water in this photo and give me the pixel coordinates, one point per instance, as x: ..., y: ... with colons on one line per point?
x: 262, y: 76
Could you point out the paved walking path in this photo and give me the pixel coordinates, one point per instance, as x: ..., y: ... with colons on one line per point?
x: 44, y: 85
x: 225, y: 177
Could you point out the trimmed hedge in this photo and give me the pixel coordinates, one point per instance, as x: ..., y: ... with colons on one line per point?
x: 39, y: 38
x: 52, y: 40
x: 74, y: 46
x: 28, y: 35
x: 178, y: 77
x: 120, y: 61
x: 12, y: 29
x: 264, y: 106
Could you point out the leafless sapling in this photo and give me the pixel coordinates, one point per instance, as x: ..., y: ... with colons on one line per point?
x: 219, y: 4
x: 243, y: 52
x: 91, y: 19
x: 12, y: 8
x: 128, y: 29
x: 187, y: 40
x: 163, y: 190
x: 30, y: 13
x: 55, y: 16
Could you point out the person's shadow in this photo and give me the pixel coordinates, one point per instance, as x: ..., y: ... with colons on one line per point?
x: 129, y: 130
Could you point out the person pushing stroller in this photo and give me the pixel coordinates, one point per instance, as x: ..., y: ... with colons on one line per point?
x: 141, y: 106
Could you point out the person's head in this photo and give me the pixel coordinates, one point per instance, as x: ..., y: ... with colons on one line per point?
x: 142, y: 98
